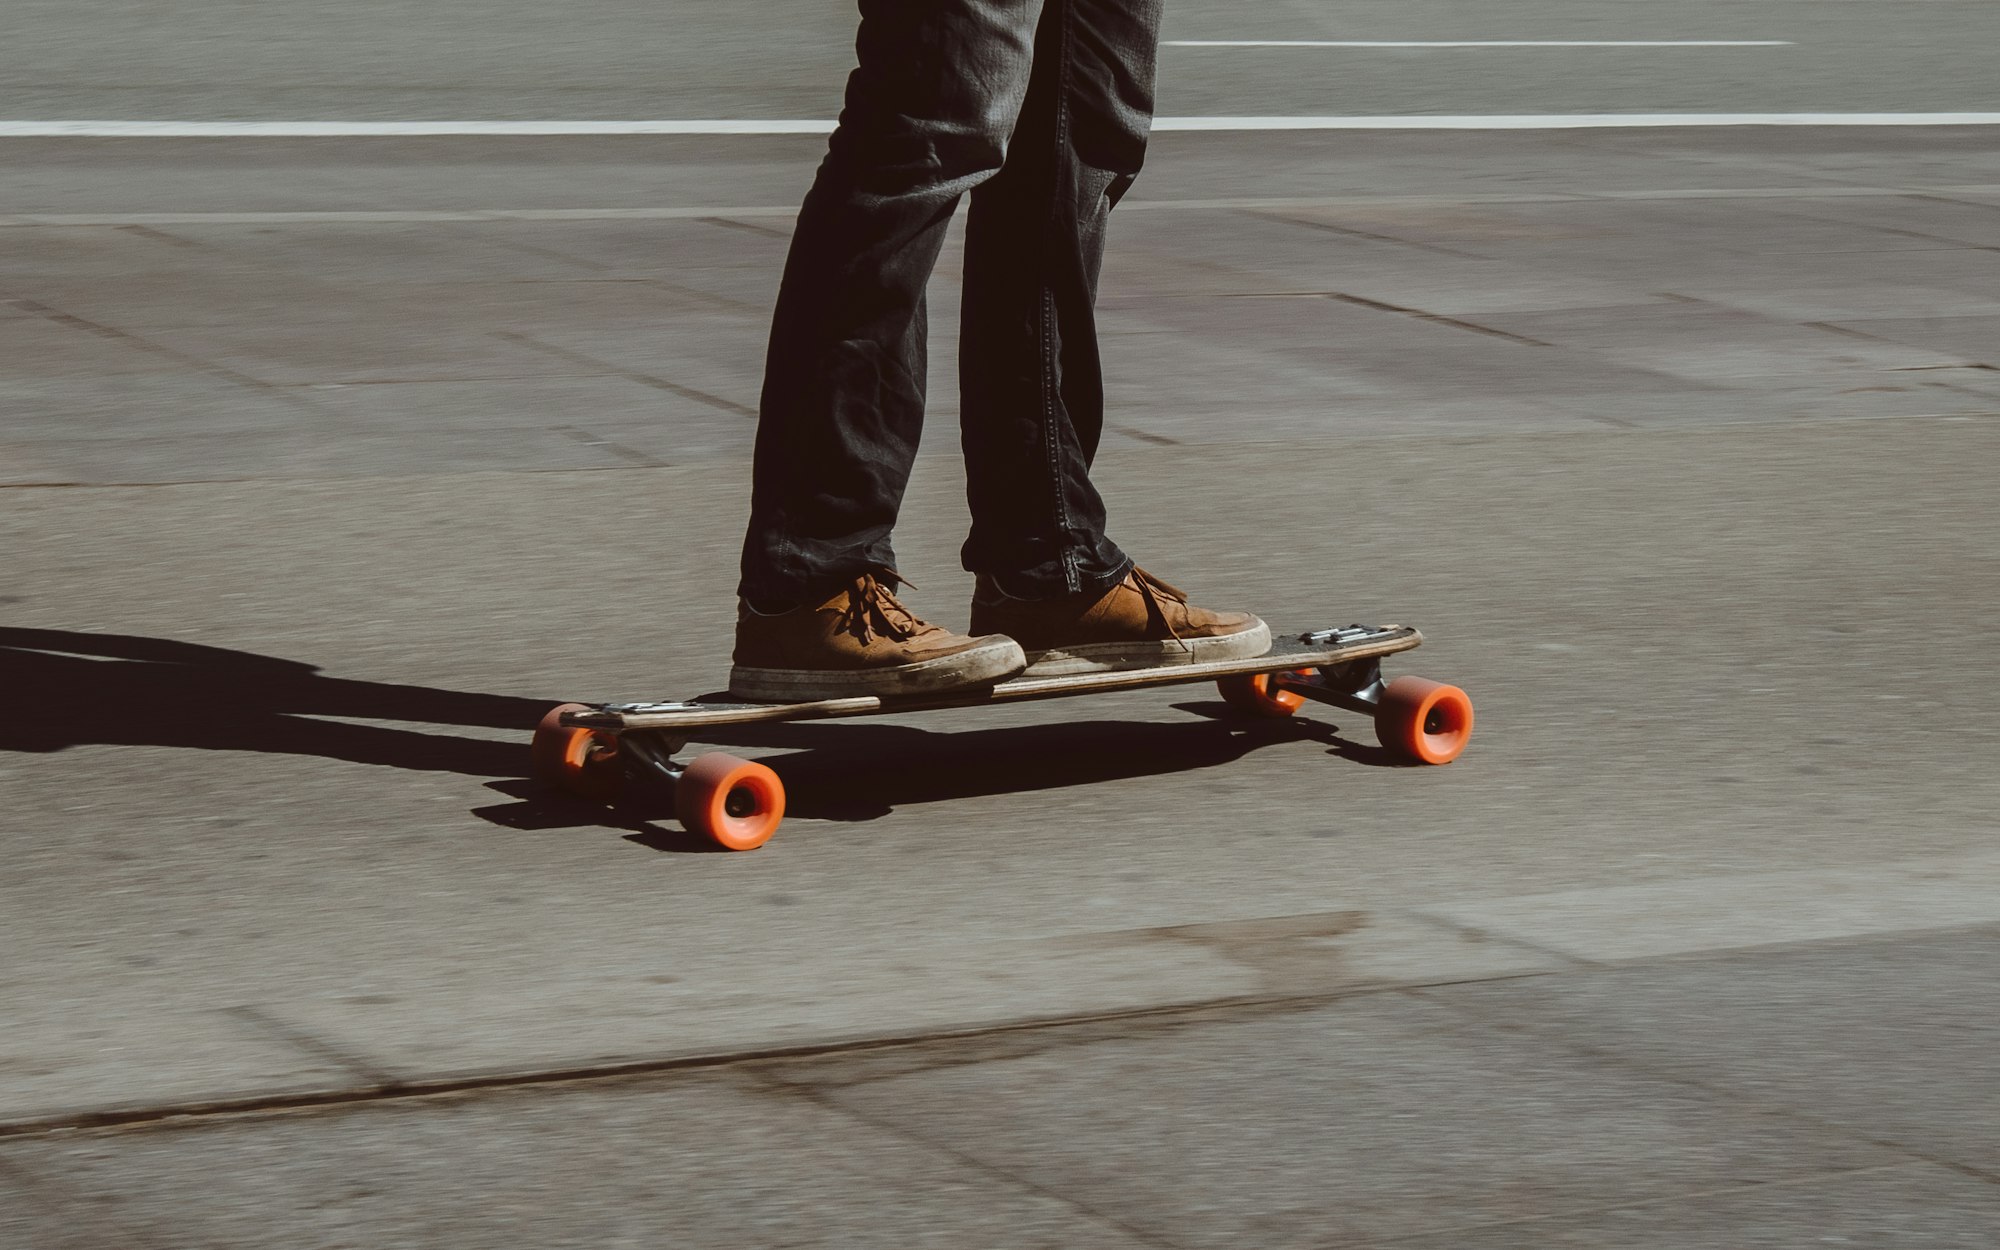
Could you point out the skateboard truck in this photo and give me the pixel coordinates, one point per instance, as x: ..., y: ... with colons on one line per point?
x: 1356, y: 686
x: 653, y: 756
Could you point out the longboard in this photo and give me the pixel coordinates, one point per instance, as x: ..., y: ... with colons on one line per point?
x: 591, y: 749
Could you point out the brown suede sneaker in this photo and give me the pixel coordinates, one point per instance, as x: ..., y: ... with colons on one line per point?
x: 1139, y: 623
x: 861, y: 641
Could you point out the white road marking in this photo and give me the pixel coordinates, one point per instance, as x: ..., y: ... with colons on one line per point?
x: 1572, y: 121
x: 356, y: 130
x: 738, y: 126
x: 1479, y: 43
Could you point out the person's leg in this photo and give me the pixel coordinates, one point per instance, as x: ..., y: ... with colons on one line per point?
x: 1049, y: 577
x: 1028, y: 360
x: 928, y: 113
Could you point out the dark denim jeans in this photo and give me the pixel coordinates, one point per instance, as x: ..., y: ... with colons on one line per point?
x: 1039, y: 109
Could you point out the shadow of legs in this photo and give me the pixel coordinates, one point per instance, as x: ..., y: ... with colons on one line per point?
x: 71, y: 688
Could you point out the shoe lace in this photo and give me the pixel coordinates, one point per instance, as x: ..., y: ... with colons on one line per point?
x: 872, y: 609
x: 1157, y: 594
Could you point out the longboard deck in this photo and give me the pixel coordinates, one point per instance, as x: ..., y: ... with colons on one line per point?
x: 1313, y: 649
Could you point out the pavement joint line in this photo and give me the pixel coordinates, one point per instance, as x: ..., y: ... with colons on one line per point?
x: 1144, y: 436
x: 644, y: 379
x: 745, y: 226
x: 1744, y: 1098
x: 819, y: 1098
x: 760, y: 312
x: 1436, y: 318
x: 160, y: 236
x: 1573, y: 961
x: 299, y: 1039
x: 1353, y: 233
x: 224, y: 372
x: 1834, y: 327
x: 1787, y: 946
x: 547, y: 253
x: 1908, y: 234
x: 1937, y: 195
x: 403, y: 1090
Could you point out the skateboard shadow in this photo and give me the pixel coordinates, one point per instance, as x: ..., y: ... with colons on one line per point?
x: 858, y: 771
x: 71, y: 688
x: 862, y: 778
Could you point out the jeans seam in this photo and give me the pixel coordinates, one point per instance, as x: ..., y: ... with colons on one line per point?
x: 1051, y: 387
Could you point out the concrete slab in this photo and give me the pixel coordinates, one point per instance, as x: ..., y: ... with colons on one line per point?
x: 529, y: 305
x: 32, y: 1219
x: 501, y: 404
x: 1649, y: 921
x: 1918, y: 1205
x: 1944, y: 283
x: 1371, y: 1118
x: 379, y: 351
x: 49, y: 348
x: 1626, y: 226
x: 650, y: 173
x: 1383, y: 350
x: 1788, y: 398
x: 1702, y: 343
x: 20, y: 466
x: 173, y: 403
x: 265, y: 455
x: 63, y: 254
x: 665, y: 247
x: 691, y: 1162
x: 1780, y: 1031
x: 1935, y: 219
x: 364, y: 252
x: 717, y: 362
x: 1473, y: 287
x: 229, y: 294
x: 1971, y: 338
x: 135, y: 1061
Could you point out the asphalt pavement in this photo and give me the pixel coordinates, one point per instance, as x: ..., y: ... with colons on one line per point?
x: 328, y: 464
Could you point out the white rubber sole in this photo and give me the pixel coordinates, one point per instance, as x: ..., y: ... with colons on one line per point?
x: 983, y: 665
x: 1111, y: 657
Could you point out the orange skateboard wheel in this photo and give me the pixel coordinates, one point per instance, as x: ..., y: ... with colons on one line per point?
x: 1424, y: 720
x: 736, y: 802
x: 583, y: 762
x: 1259, y: 695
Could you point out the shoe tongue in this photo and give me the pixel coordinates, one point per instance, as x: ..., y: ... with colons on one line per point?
x: 1158, y: 586
x: 881, y: 595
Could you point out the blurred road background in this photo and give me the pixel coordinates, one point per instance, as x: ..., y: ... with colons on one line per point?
x: 329, y: 463
x: 407, y: 60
